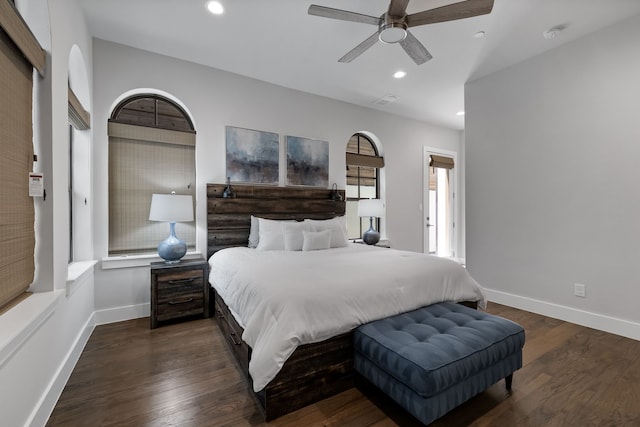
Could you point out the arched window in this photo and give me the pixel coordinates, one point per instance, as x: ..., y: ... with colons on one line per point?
x: 363, y: 181
x: 151, y: 150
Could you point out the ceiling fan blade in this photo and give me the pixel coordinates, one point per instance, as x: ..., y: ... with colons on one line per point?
x: 343, y: 15
x: 460, y: 10
x: 359, y: 50
x: 415, y: 49
x: 398, y: 7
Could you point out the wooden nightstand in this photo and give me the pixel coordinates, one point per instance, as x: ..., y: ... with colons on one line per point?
x: 179, y: 290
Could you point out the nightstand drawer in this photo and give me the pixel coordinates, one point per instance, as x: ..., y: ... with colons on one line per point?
x: 181, y: 280
x: 178, y: 300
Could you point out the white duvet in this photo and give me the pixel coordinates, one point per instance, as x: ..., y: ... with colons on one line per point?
x: 284, y: 299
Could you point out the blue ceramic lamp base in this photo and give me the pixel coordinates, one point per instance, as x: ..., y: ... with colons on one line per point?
x: 371, y: 236
x: 172, y: 249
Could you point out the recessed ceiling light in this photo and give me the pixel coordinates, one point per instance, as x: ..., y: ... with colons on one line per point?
x: 479, y: 35
x: 399, y: 74
x: 215, y: 7
x: 460, y: 113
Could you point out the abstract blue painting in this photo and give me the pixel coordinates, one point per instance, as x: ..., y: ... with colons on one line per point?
x: 307, y: 162
x: 252, y: 155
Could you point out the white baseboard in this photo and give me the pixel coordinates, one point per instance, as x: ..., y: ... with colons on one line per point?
x: 50, y: 396
x: 120, y: 314
x: 612, y: 325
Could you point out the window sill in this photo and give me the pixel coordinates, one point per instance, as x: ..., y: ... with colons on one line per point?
x: 76, y: 274
x: 23, y: 320
x: 139, y: 260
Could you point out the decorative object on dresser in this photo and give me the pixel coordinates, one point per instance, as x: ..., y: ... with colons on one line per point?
x: 179, y: 290
x: 371, y: 208
x: 171, y: 208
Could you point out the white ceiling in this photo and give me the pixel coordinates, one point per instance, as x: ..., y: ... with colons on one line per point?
x: 278, y: 42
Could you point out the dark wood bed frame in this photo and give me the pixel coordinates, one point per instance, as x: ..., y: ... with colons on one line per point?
x: 314, y: 371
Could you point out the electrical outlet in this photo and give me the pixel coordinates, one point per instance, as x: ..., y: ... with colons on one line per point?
x: 580, y: 290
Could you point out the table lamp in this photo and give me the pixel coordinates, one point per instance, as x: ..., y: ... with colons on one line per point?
x: 371, y: 208
x: 171, y: 208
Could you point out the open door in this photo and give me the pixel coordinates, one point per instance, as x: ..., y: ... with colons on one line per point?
x: 439, y: 196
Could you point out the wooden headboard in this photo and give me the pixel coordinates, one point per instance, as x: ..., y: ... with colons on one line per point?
x: 229, y: 220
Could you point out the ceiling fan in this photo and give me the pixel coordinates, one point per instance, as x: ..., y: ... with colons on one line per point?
x: 394, y: 23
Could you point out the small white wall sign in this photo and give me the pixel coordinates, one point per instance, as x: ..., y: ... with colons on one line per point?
x: 36, y: 184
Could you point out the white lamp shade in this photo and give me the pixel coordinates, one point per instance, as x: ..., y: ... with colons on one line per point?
x: 371, y: 208
x: 171, y: 208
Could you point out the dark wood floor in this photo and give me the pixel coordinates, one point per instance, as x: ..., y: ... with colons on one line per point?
x: 184, y: 375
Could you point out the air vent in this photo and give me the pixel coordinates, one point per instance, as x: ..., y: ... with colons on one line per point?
x: 387, y: 99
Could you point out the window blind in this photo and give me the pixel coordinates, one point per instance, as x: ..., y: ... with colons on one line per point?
x: 441, y: 162
x: 354, y: 159
x: 143, y: 161
x: 79, y: 118
x: 17, y: 236
x: 18, y: 31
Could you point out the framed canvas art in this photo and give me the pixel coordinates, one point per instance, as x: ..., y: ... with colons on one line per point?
x: 252, y: 155
x: 307, y: 162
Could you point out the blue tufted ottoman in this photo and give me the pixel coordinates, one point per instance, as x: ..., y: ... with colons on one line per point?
x: 433, y: 359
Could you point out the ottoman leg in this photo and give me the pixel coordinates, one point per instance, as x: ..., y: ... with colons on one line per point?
x: 508, y: 380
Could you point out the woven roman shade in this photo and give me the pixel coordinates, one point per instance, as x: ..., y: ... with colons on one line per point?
x: 18, y: 31
x: 17, y: 236
x: 362, y: 161
x: 79, y: 118
x: 441, y: 162
x: 354, y: 159
x: 143, y: 161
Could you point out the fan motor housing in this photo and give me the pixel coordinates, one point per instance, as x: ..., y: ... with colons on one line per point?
x: 392, y: 29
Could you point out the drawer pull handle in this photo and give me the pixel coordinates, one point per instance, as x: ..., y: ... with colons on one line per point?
x: 220, y: 315
x: 233, y: 339
x: 173, y: 282
x: 182, y: 301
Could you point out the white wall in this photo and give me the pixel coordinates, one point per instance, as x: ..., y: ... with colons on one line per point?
x: 552, y: 152
x: 42, y: 337
x: 215, y: 99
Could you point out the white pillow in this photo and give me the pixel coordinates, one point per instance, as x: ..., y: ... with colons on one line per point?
x: 316, y: 240
x: 293, y: 238
x: 271, y: 237
x: 254, y: 236
x: 338, y: 227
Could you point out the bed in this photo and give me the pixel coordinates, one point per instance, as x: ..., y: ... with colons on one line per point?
x: 297, y: 349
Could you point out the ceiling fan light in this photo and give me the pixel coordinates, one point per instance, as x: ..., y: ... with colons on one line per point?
x: 392, y: 33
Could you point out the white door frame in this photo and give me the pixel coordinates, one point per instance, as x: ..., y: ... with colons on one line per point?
x: 455, y: 203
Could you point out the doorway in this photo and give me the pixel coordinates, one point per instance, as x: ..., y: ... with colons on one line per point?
x: 439, y: 202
